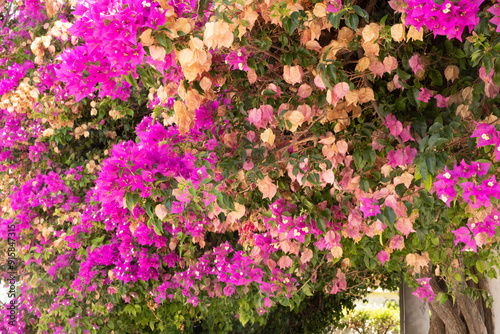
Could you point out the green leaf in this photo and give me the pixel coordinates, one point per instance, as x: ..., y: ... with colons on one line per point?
x: 268, y: 92
x: 131, y: 200
x: 441, y: 298
x: 402, y: 74
x: 352, y: 21
x: 244, y: 318
x: 390, y: 214
x: 412, y: 96
x: 335, y: 19
x: 321, y: 224
x: 428, y: 183
x: 430, y: 160
x: 307, y: 290
x: 331, y: 70
x: 290, y: 23
x: 423, y: 170
x: 361, y: 12
x: 226, y: 18
x: 436, y: 77
x: 285, y: 301
x: 480, y: 266
x: 165, y: 42
x: 326, y: 81
x: 459, y: 54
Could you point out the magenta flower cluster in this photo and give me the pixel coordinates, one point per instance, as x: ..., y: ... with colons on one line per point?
x: 111, y: 49
x: 424, y: 292
x: 449, y: 18
x: 476, y: 186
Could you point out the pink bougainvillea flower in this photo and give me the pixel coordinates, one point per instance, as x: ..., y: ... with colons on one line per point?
x: 339, y: 91
x: 475, y: 168
x: 395, y: 126
x: 490, y: 87
x: 402, y: 157
x: 442, y: 102
x: 405, y: 226
x: 479, y: 168
x: 486, y: 134
x: 415, y: 63
x: 237, y: 60
x: 339, y: 283
x: 369, y: 207
x: 424, y: 292
x: 491, y: 187
x: 334, y: 6
x: 481, y: 198
x: 405, y: 135
x: 464, y: 235
x: 425, y: 94
x: 448, y: 18
x: 397, y: 242
x: 396, y: 82
x: 378, y: 68
x: 382, y: 256
x: 304, y: 91
x: 495, y: 10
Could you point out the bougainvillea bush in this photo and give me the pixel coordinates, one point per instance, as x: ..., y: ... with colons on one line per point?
x: 167, y: 163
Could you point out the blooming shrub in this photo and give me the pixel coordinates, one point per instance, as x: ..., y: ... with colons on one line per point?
x: 165, y: 163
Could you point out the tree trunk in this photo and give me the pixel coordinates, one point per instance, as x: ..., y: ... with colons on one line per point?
x: 437, y: 325
x: 463, y: 317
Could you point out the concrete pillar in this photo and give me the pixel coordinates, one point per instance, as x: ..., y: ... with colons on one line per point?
x: 414, y: 314
x: 494, y: 285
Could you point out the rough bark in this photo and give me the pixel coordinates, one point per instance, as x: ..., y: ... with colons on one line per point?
x: 447, y: 313
x: 466, y: 316
x: 437, y: 325
x: 473, y: 319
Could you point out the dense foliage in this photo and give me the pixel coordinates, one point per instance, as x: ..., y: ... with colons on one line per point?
x: 165, y: 163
